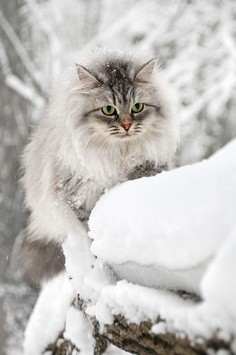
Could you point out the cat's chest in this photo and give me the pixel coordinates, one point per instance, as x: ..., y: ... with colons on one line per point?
x: 84, y: 191
x: 82, y: 196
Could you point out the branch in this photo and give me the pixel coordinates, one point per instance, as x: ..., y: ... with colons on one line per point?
x: 24, y: 90
x: 140, y: 338
x: 4, y: 60
x: 21, y: 52
x: 16, y: 84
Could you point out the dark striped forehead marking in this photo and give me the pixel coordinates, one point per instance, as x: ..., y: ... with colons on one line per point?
x: 117, y: 76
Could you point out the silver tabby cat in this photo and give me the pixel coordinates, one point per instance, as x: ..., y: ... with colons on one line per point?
x: 108, y: 120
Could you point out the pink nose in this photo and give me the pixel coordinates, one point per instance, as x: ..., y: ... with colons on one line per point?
x: 127, y: 126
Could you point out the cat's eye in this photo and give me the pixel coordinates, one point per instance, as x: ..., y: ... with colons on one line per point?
x: 108, y: 110
x: 138, y: 107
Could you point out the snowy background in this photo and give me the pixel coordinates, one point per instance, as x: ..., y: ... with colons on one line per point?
x: 196, y: 44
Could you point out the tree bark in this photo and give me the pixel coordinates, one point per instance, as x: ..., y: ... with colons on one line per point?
x: 139, y: 339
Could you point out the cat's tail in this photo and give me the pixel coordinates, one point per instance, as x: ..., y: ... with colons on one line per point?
x: 40, y: 259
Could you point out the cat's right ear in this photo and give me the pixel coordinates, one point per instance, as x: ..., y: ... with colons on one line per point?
x: 144, y: 74
x: 86, y: 80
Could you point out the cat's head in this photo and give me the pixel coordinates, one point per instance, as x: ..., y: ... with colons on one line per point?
x: 122, y: 101
x: 119, y: 99
x: 115, y: 105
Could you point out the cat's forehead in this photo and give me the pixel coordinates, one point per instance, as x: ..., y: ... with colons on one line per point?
x: 117, y: 77
x: 117, y: 74
x: 113, y: 72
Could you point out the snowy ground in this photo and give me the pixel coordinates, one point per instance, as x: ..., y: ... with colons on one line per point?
x: 177, y: 223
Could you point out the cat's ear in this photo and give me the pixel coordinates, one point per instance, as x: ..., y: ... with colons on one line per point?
x: 144, y: 74
x: 86, y: 80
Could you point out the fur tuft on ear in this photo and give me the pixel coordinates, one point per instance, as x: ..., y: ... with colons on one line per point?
x: 144, y: 73
x: 86, y: 80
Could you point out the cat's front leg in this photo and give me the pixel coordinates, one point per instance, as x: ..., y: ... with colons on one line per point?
x: 148, y: 168
x: 52, y: 222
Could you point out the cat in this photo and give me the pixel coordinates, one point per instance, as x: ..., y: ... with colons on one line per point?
x: 109, y: 119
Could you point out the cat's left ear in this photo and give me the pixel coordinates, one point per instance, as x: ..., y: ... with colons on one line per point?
x: 86, y: 80
x: 144, y: 74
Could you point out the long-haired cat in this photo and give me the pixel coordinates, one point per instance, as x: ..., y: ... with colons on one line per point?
x: 108, y: 120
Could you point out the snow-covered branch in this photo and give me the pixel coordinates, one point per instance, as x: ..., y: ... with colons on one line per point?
x: 4, y: 60
x: 21, y: 52
x: 170, y: 284
x: 195, y: 41
x: 24, y: 90
x: 15, y: 83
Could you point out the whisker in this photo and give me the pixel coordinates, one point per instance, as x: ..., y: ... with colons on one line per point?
x: 148, y: 134
x: 154, y: 130
x: 113, y: 130
x: 114, y: 133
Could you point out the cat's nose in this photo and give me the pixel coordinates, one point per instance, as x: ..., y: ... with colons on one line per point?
x: 127, y: 126
x: 126, y: 121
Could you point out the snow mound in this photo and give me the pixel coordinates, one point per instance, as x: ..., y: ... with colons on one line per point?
x: 176, y: 230
x: 164, y: 231
x: 49, y: 315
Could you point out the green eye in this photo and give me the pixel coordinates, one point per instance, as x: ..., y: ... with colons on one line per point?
x: 108, y: 110
x: 138, y: 107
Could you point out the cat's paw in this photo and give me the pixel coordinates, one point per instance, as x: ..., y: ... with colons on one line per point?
x: 146, y: 169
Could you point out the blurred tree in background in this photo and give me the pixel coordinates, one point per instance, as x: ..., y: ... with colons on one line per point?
x: 21, y: 96
x: 196, y: 43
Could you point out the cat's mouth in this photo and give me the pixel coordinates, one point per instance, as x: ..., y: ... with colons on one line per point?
x: 125, y: 132
x: 125, y: 135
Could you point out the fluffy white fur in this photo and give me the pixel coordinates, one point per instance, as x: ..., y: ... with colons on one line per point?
x: 63, y: 147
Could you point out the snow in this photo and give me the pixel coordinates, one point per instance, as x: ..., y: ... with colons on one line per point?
x: 80, y: 331
x: 197, y: 321
x: 172, y: 231
x: 79, y: 260
x: 163, y: 228
x: 48, y: 317
x: 219, y: 279
x: 113, y: 350
x: 158, y: 276
x: 196, y: 42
